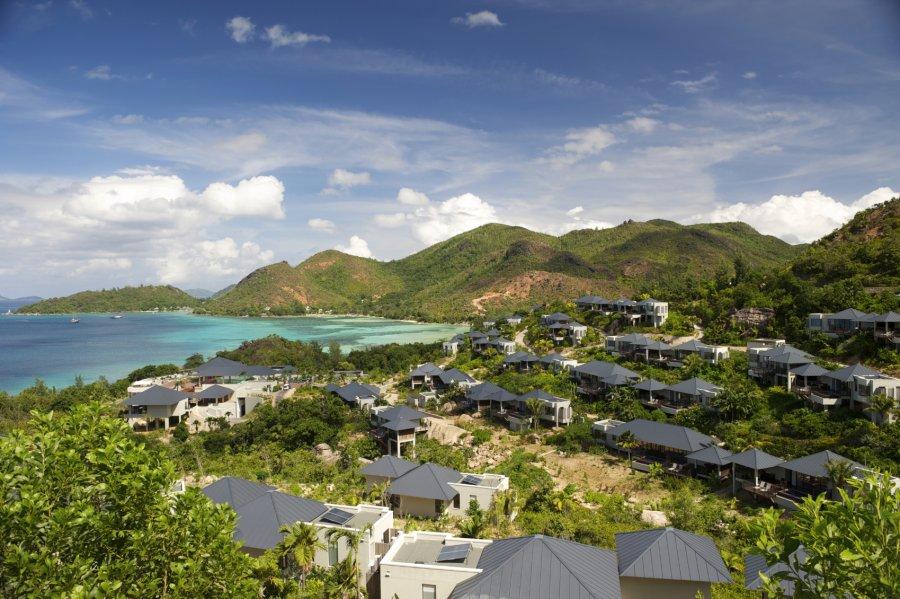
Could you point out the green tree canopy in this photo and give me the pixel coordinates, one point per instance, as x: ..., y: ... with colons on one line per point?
x: 88, y: 511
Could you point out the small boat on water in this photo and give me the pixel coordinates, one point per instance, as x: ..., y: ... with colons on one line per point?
x: 116, y: 316
x: 8, y: 313
x: 74, y: 320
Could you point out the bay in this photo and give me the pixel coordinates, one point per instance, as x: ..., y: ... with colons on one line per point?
x: 51, y: 348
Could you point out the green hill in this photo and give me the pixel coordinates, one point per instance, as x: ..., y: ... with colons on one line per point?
x: 123, y: 299
x: 499, y: 267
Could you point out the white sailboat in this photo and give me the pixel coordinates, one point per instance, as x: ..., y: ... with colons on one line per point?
x: 74, y: 319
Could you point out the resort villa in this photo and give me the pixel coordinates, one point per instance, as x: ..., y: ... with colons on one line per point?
x: 650, y: 312
x: 563, y: 327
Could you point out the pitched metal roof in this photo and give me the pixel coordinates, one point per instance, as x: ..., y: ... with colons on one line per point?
x: 540, y: 567
x: 846, y: 374
x: 400, y: 413
x: 810, y: 369
x: 157, y: 395
x: 887, y: 317
x: 713, y: 454
x: 488, y: 391
x: 542, y: 395
x: 605, y: 369
x: 849, y: 314
x: 665, y: 434
x: 220, y: 366
x: 399, y: 425
x: 650, y: 385
x: 261, y: 510
x: 787, y: 354
x: 426, y: 369
x: 388, y: 466
x: 670, y: 554
x: 428, y: 481
x: 635, y: 339
x: 214, y: 392
x: 817, y: 463
x: 519, y: 357
x: 694, y: 386
x: 354, y: 390
x: 654, y: 345
x: 617, y: 379
x: 692, y: 346
x: 556, y: 317
x: 235, y: 491
x: 756, y: 564
x: 553, y: 357
x: 455, y: 375
x: 756, y: 459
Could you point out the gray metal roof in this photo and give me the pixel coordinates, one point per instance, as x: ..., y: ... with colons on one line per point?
x: 220, y: 366
x: 540, y: 394
x: 399, y: 425
x: 261, y: 510
x: 635, y: 339
x: 650, y: 385
x: 401, y: 413
x: 713, y: 454
x: 617, y: 380
x: 428, y: 481
x: 694, y: 386
x: 520, y: 356
x: 426, y: 369
x: 655, y: 345
x: 817, y: 463
x: 388, y: 466
x: 539, y: 567
x: 662, y: 433
x: 756, y: 459
x: 488, y: 391
x: 846, y: 374
x: 603, y: 370
x: 849, y: 314
x: 353, y: 391
x: 887, y: 317
x: 810, y: 369
x: 553, y: 357
x: 557, y: 317
x: 157, y: 395
x: 756, y: 564
x: 235, y: 491
x: 214, y: 392
x: 455, y: 375
x: 670, y: 554
x: 692, y: 346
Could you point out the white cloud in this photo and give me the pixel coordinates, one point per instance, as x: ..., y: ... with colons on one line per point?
x: 798, y: 219
x: 321, y: 224
x: 576, y: 210
x: 581, y: 143
x: 102, y: 73
x: 220, y: 258
x: 241, y: 29
x: 345, y: 179
x: 258, y: 196
x: 128, y: 119
x: 696, y: 86
x: 749, y: 75
x: 82, y: 8
x: 102, y: 264
x: 357, y: 247
x: 278, y: 36
x: 391, y: 221
x: 484, y: 18
x: 411, y: 197
x: 643, y: 124
x: 437, y: 222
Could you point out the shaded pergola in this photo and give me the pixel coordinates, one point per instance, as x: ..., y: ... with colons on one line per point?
x: 711, y: 456
x: 753, y: 459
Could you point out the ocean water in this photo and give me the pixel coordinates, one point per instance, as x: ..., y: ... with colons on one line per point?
x: 49, y: 347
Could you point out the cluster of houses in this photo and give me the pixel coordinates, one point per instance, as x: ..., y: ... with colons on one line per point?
x: 884, y: 327
x: 563, y: 328
x: 649, y: 312
x: 774, y: 362
x: 219, y: 389
x: 635, y: 346
x: 435, y: 565
x: 684, y: 451
x: 480, y: 341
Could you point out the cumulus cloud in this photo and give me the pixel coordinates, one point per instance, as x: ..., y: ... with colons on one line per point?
x: 581, y: 143
x: 141, y: 221
x: 321, y: 224
x: 798, y: 219
x: 82, y: 8
x: 357, y: 247
x: 695, y: 86
x: 241, y: 29
x: 436, y: 222
x: 411, y: 197
x: 101, y: 72
x: 278, y: 37
x: 643, y: 124
x: 749, y: 75
x: 258, y: 196
x: 391, y: 221
x: 484, y: 18
x: 345, y: 179
x: 576, y: 210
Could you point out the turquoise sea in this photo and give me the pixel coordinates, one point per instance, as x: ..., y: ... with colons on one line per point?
x: 51, y: 348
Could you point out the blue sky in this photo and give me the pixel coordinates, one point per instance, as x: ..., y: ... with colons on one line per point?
x: 189, y: 143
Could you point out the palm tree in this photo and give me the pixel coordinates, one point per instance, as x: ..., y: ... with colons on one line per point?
x: 882, y: 405
x: 839, y: 472
x: 297, y: 550
x: 378, y: 492
x: 535, y: 408
x: 628, y: 442
x: 347, y: 570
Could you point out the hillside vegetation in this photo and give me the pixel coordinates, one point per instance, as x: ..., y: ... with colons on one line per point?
x: 499, y: 267
x: 122, y: 299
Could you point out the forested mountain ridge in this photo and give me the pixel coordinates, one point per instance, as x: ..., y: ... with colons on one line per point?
x: 493, y: 267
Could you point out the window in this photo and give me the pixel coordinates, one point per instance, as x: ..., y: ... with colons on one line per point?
x: 332, y: 554
x: 429, y: 591
x: 456, y: 502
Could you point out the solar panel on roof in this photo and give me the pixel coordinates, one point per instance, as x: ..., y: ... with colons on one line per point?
x: 454, y: 553
x: 471, y: 480
x: 336, y: 516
